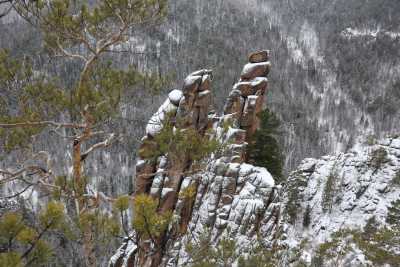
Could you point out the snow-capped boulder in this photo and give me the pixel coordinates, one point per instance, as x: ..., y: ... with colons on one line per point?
x: 175, y: 96
x: 259, y: 56
x: 253, y: 70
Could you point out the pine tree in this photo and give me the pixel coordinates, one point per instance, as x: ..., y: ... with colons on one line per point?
x: 307, y: 216
x: 264, y: 149
x: 393, y: 216
x: 33, y: 102
x: 25, y: 244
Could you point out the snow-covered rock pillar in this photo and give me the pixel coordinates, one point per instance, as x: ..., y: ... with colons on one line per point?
x: 228, y: 193
x: 246, y: 99
x: 162, y: 177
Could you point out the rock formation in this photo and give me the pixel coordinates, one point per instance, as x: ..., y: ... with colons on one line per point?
x: 235, y: 199
x: 339, y: 192
x: 229, y: 193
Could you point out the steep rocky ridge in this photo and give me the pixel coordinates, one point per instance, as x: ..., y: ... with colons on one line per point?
x: 335, y: 193
x: 340, y: 192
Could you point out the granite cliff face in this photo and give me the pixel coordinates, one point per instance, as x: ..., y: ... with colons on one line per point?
x: 229, y: 193
x: 340, y: 192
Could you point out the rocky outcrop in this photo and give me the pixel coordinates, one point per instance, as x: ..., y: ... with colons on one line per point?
x: 339, y: 192
x: 229, y: 193
x: 234, y: 199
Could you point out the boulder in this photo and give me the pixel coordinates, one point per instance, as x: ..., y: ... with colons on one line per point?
x: 191, y: 84
x: 246, y: 88
x: 156, y: 122
x: 201, y: 72
x: 253, y: 70
x: 228, y: 192
x: 259, y: 56
x: 175, y: 96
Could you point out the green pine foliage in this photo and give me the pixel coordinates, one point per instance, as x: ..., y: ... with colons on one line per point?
x: 334, y: 250
x: 307, y: 216
x: 377, y: 158
x: 393, y: 216
x: 85, y: 34
x: 147, y: 222
x: 27, y: 244
x: 380, y: 245
x: 264, y: 150
x: 329, y: 191
x: 396, y: 179
x: 33, y: 101
x: 260, y: 257
x: 295, y: 197
x: 180, y: 143
x: 202, y: 253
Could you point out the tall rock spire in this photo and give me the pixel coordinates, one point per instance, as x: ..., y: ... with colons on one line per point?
x: 228, y: 193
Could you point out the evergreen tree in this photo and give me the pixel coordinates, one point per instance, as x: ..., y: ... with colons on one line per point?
x: 264, y: 149
x: 32, y: 101
x: 393, y: 216
x: 307, y: 216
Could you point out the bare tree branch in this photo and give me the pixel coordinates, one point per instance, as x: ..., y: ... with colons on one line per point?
x: 103, y: 144
x: 68, y: 54
x: 18, y: 193
x: 16, y: 174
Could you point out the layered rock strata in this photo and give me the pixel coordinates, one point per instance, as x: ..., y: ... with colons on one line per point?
x: 229, y: 193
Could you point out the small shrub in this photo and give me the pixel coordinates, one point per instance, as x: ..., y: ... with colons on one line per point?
x: 379, y: 245
x: 122, y: 203
x: 378, y: 157
x: 370, y: 140
x: 146, y: 220
x: 371, y: 228
x: 329, y: 192
x: 294, y: 197
x: 393, y: 217
x: 203, y: 253
x: 264, y: 149
x: 396, y: 179
x: 334, y: 250
x: 307, y: 216
x: 178, y: 142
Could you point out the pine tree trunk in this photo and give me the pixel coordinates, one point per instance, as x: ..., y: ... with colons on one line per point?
x: 90, y: 257
x: 88, y: 248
